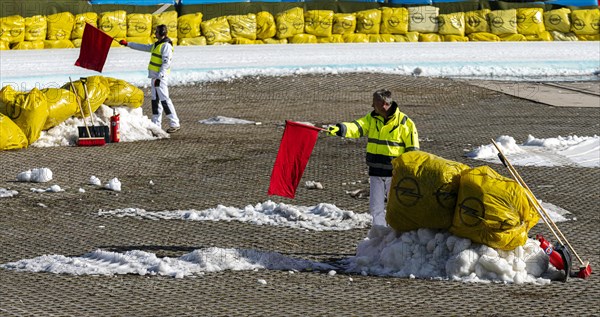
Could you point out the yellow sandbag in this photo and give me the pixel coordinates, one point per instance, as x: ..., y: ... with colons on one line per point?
x: 385, y: 38
x: 588, y: 37
x: 544, y: 36
x: 430, y: 37
x: 483, y: 37
x: 122, y: 93
x: 275, y: 41
x: 169, y: 19
x: 560, y: 36
x: 216, y: 30
x: 188, y: 26
x: 36, y: 28
x: 585, y: 22
x: 408, y: 37
x: 60, y: 26
x: 477, y: 21
x: 290, y: 22
x: 355, y: 38
x: 512, y: 37
x: 503, y: 21
x: 423, y: 19
x: 76, y: 43
x: 241, y: 41
x: 334, y: 38
x: 140, y: 25
x: 423, y: 192
x: 530, y: 21
x: 4, y: 45
x: 243, y: 26
x: 29, y: 112
x: 7, y: 96
x: 558, y: 20
x: 368, y: 21
x: 61, y: 106
x: 318, y: 22
x: 454, y: 38
x: 98, y: 91
x: 11, y: 136
x: 113, y: 23
x: 141, y: 40
x: 29, y: 45
x: 201, y: 40
x: 343, y: 23
x: 265, y: 25
x: 452, y: 24
x: 12, y: 29
x: 58, y: 44
x: 80, y: 21
x: 303, y: 39
x: 492, y: 209
x: 394, y: 20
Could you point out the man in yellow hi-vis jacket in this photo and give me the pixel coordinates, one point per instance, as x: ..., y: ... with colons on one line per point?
x: 158, y: 70
x: 390, y: 133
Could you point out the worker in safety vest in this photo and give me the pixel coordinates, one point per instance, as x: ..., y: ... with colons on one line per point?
x: 158, y: 70
x: 390, y: 133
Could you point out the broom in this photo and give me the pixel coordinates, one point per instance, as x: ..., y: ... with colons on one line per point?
x: 85, y: 140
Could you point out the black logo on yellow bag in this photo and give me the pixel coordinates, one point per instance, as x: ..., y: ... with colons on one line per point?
x: 497, y: 22
x: 473, y: 22
x: 418, y: 18
x: 578, y: 24
x: 298, y: 25
x: 393, y: 22
x: 521, y: 18
x: 408, y: 192
x: 471, y: 212
x: 210, y: 36
x: 446, y: 196
x: 140, y: 27
x: 282, y: 28
x: 595, y: 24
x: 555, y: 19
x: 367, y: 24
x: 106, y: 26
x: 347, y: 24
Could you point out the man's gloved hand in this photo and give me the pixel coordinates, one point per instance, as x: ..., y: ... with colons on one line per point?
x: 123, y: 42
x: 333, y: 130
x: 156, y: 82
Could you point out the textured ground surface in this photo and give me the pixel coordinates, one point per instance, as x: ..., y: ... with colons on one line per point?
x: 206, y: 165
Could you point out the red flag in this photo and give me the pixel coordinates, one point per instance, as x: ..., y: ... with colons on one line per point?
x: 94, y: 48
x: 296, y: 146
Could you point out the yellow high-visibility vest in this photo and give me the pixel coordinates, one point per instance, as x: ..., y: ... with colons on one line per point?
x: 156, y: 58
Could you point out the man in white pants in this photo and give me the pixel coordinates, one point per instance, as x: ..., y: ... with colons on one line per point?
x: 158, y: 71
x: 390, y: 133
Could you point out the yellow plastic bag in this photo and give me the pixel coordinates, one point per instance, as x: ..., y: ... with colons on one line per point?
x: 61, y: 106
x: 188, y: 26
x: 503, y: 21
x: 558, y: 20
x: 243, y: 26
x: 530, y: 21
x: 58, y: 44
x: 423, y: 19
x: 430, y: 37
x: 241, y: 40
x: 122, y: 93
x: 492, y: 209
x: 423, y: 192
x: 343, y: 23
x: 544, y: 36
x: 477, y: 21
x: 36, y: 28
x: 483, y: 37
x: 60, y: 26
x: 4, y: 45
x: 275, y: 41
x: 11, y: 136
x: 394, y: 20
x: 303, y: 39
x: 141, y: 39
x: 80, y: 21
x: 452, y: 24
x: 290, y: 23
x: 12, y: 29
x: 29, y: 45
x: 334, y: 38
x: 29, y: 112
x: 512, y: 37
x: 98, y: 90
x: 585, y: 22
x: 169, y: 19
x: 191, y: 41
x: 113, y: 23
x: 408, y: 37
x: 216, y: 30
x: 368, y: 21
x: 356, y: 38
x: 588, y: 37
x: 139, y: 25
x: 7, y: 96
x: 265, y: 25
x: 454, y: 38
x: 318, y: 22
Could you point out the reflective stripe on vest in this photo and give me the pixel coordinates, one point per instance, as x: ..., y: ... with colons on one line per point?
x: 156, y: 58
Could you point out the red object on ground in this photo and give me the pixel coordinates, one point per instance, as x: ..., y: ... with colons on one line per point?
x: 555, y: 258
x: 295, y: 148
x: 94, y: 48
x: 114, y: 128
x: 585, y: 272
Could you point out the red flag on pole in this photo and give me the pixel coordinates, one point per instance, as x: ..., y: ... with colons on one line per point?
x: 94, y: 48
x: 296, y: 146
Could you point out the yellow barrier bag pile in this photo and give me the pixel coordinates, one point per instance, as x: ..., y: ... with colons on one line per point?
x: 368, y: 21
x: 423, y: 19
x: 477, y: 21
x: 423, y: 192
x: 452, y: 24
x: 275, y: 41
x: 61, y: 106
x: 80, y: 21
x: 454, y: 38
x: 503, y: 21
x: 290, y: 23
x: 113, y: 23
x: 355, y: 38
x: 492, y: 210
x: 12, y: 29
x: 201, y: 40
x: 29, y: 112
x: 558, y: 20
x: 36, y: 28
x: 585, y: 22
x: 343, y: 23
x: 11, y: 136
x: 243, y: 26
x: 170, y: 20
x: 530, y: 21
x: 394, y: 20
x: 303, y: 39
x: 483, y: 37
x: 97, y: 88
x: 318, y: 22
x: 122, y: 93
x: 139, y: 25
x: 60, y: 26
x: 265, y: 25
x: 216, y: 30
x: 188, y: 26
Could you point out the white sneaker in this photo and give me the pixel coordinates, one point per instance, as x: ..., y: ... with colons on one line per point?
x: 173, y: 129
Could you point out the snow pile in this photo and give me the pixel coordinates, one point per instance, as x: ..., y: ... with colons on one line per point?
x: 7, y: 192
x: 51, y: 189
x: 113, y: 184
x: 226, y: 120
x: 36, y: 175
